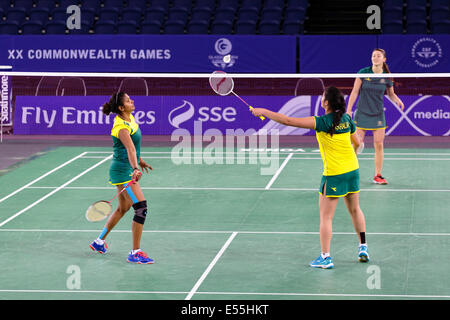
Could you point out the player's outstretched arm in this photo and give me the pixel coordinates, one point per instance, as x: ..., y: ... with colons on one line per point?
x: 307, y: 123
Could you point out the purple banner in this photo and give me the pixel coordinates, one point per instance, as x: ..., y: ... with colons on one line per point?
x: 6, y: 100
x: 161, y: 115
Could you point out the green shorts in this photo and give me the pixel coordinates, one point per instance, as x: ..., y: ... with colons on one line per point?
x: 369, y: 122
x: 120, y: 172
x: 340, y: 185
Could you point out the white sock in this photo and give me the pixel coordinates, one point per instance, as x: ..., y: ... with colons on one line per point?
x: 325, y: 254
x: 100, y: 241
x: 135, y: 251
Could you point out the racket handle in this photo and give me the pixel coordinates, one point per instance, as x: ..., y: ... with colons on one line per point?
x: 261, y: 117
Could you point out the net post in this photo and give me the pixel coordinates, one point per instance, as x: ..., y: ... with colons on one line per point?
x: 5, y: 100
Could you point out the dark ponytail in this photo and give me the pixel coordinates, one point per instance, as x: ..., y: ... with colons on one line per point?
x: 336, y: 103
x: 115, y: 101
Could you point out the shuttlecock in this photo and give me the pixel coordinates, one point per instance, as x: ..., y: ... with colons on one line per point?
x: 227, y: 58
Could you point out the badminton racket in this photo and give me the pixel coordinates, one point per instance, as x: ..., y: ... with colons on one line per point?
x: 99, y: 210
x: 223, y: 85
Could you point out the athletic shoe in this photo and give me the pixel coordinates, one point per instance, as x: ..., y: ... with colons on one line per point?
x: 320, y: 262
x: 100, y: 248
x: 378, y: 179
x: 363, y: 253
x: 140, y: 257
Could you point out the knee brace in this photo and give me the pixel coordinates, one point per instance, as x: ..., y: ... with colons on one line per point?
x: 140, y: 211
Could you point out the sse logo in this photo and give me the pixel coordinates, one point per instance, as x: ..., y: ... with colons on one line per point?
x: 186, y: 111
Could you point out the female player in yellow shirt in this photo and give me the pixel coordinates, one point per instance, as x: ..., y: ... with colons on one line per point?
x: 335, y: 132
x: 126, y: 137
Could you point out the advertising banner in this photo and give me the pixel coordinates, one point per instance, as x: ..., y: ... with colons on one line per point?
x: 198, y: 115
x: 150, y: 53
x: 6, y: 100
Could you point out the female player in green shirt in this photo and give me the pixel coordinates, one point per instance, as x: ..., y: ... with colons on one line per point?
x: 126, y: 137
x: 369, y: 114
x: 335, y: 132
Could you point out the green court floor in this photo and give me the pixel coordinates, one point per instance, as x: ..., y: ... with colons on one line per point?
x: 224, y: 231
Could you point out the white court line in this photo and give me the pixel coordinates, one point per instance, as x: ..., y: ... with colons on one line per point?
x: 53, y: 192
x: 275, y: 176
x: 413, y: 296
x: 244, y: 189
x: 404, y: 234
x: 211, y: 265
x: 42, y: 176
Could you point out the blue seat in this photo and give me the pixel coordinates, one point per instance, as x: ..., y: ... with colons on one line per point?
x: 393, y: 4
x: 111, y: 14
x: 132, y: 14
x: 137, y: 4
x: 26, y: 4
x: 151, y: 27
x: 67, y: 3
x: 392, y: 15
x: 439, y: 15
x: 59, y: 14
x: 269, y: 27
x: 39, y: 15
x: 293, y: 27
x: 16, y: 14
x: 154, y: 15
x: 113, y: 4
x: 221, y: 27
x: 50, y: 4
x: 441, y: 27
x: 127, y: 27
x: 32, y: 27
x: 105, y: 27
x: 230, y: 3
x: 416, y: 27
x: 271, y: 14
x: 178, y: 14
x: 297, y: 13
x: 439, y: 4
x: 9, y: 27
x: 198, y: 27
x: 55, y: 27
x: 160, y: 3
x: 94, y: 5
x: 394, y: 27
x: 248, y: 14
x: 224, y: 14
x: 201, y: 13
x: 297, y: 4
x: 87, y: 16
x: 245, y: 27
x: 416, y: 15
x: 270, y: 4
x: 174, y: 27
x: 205, y: 3
x: 416, y: 4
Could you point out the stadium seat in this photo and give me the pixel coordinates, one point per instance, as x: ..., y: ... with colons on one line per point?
x: 413, y: 15
x: 16, y: 14
x: 198, y: 27
x: 137, y: 4
x: 179, y: 13
x: 59, y: 14
x: 127, y: 27
x: 297, y: 4
x: 245, y: 27
x: 151, y: 27
x: 160, y: 4
x: 392, y: 15
x: 84, y: 28
x: 230, y: 3
x: 393, y: 5
x: 174, y: 27
x: 55, y: 27
x: 441, y: 27
x: 439, y: 4
x: 154, y: 14
x: 439, y: 15
x: 416, y: 4
x: 111, y: 14
x: 39, y: 15
x: 224, y: 14
x: 292, y: 27
x: 269, y: 27
x: 26, y: 4
x: 131, y: 14
x: 113, y: 4
x: 221, y: 27
x: 67, y: 3
x: 94, y: 5
x: 394, y: 27
x: 247, y: 14
x: 271, y: 14
x: 416, y: 27
x: 32, y: 27
x: 105, y: 27
x: 274, y: 4
x: 50, y: 4
x: 204, y: 4
x: 295, y: 13
x: 87, y: 16
x: 201, y: 13
x: 9, y: 27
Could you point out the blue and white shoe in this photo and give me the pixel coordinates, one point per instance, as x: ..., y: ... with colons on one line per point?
x: 100, y: 248
x: 140, y: 257
x: 320, y: 262
x: 363, y: 253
